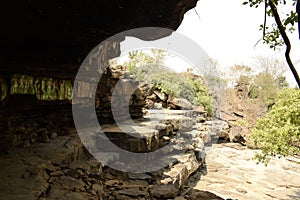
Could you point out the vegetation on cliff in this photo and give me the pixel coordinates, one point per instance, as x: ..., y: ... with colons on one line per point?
x: 150, y: 67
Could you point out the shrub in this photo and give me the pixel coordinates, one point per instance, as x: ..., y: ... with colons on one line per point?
x: 186, y: 85
x: 278, y: 133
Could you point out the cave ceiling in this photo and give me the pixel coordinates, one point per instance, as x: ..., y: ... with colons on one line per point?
x: 51, y: 38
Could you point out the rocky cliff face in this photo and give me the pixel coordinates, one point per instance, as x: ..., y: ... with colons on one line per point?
x: 52, y: 38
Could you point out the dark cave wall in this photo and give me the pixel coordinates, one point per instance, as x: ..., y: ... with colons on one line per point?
x: 51, y: 38
x: 43, y: 43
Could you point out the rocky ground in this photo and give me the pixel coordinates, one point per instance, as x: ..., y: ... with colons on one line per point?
x: 231, y: 172
x: 42, y: 157
x: 61, y: 168
x: 57, y: 166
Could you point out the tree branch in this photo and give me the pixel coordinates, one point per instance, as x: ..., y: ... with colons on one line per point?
x: 286, y: 41
x: 265, y: 20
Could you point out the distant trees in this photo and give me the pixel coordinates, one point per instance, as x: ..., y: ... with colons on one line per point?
x: 267, y: 84
x: 271, y: 65
x: 265, y: 88
x: 264, y: 84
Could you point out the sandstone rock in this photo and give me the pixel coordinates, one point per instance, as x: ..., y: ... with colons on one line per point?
x: 69, y: 183
x: 112, y: 182
x: 134, y: 193
x: 135, y: 184
x: 181, y: 103
x: 152, y: 97
x: 197, y: 194
x: 224, y: 135
x: 68, y: 195
x: 200, y: 110
x: 80, y: 164
x: 62, y: 151
x: 200, y: 155
x: 180, y: 198
x: 157, y: 106
x: 198, y: 143
x: 106, y: 157
x: 180, y: 172
x: 96, y: 167
x: 135, y: 176
x: 149, y: 104
x: 21, y: 180
x: 53, y: 135
x: 201, y: 119
x: 163, y: 191
x: 44, y: 138
x: 235, y: 136
x: 161, y: 95
x: 56, y: 174
x: 201, y: 127
x: 97, y: 188
x: 166, y: 138
x: 205, y: 136
x: 241, y: 190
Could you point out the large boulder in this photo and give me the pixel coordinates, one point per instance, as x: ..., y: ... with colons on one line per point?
x: 180, y: 103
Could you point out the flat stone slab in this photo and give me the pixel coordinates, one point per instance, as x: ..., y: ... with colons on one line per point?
x: 171, y: 112
x: 231, y: 173
x: 23, y: 171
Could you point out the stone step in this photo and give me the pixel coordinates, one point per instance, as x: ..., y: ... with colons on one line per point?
x: 178, y: 121
x: 163, y: 129
x: 188, y: 113
x: 175, y: 177
x: 132, y: 138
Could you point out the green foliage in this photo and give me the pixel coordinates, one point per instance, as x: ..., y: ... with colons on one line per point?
x: 266, y: 88
x: 278, y: 133
x: 237, y: 71
x: 282, y: 82
x: 45, y: 88
x: 183, y: 87
x: 148, y: 68
x: 138, y: 58
x: 272, y: 35
x: 242, y: 85
x: 253, y: 91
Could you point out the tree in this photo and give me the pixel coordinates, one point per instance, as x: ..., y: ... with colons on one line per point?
x: 281, y: 82
x: 276, y: 35
x: 237, y: 71
x: 158, y: 56
x: 278, y: 133
x: 267, y: 87
x: 270, y: 65
x: 242, y: 87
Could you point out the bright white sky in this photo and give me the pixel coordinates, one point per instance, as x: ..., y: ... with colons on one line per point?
x: 228, y: 32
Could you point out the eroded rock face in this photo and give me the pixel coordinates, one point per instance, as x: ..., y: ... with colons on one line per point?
x: 52, y: 38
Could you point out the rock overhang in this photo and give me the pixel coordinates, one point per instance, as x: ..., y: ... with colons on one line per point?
x: 51, y: 38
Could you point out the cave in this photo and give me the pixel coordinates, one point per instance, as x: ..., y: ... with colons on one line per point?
x: 43, y: 44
